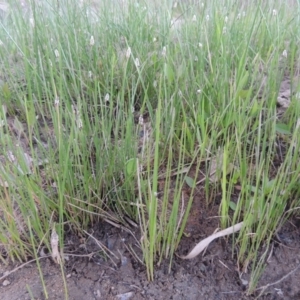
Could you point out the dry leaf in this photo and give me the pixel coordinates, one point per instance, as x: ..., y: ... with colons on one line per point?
x: 204, y: 243
x: 54, y: 246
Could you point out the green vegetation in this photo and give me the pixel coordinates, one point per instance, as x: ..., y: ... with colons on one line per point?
x: 99, y: 103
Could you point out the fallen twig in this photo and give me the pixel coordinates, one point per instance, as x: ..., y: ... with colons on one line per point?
x: 263, y: 288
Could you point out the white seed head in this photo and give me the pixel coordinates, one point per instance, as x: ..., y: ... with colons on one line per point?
x: 226, y: 19
x: 180, y: 93
x: 200, y: 45
x: 11, y: 156
x: 56, y: 53
x: 284, y: 53
x: 196, y: 58
x: 164, y: 51
x: 31, y: 22
x: 141, y: 120
x: 141, y: 168
x: 56, y: 101
x: 175, y: 5
x: 106, y: 98
x: 238, y: 16
x: 194, y: 19
x: 298, y: 124
x: 199, y: 92
x: 92, y: 41
x: 128, y: 52
x: 202, y: 4
x: 224, y: 30
x: 137, y: 62
x: 274, y: 12
x: 79, y: 123
x: 90, y: 74
x: 50, y: 63
x: 154, y: 40
x: 207, y: 17
x: 155, y: 84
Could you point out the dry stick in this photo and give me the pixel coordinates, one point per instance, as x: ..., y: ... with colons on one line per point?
x: 263, y: 288
x: 23, y: 265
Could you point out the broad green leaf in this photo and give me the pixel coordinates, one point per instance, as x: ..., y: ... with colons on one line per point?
x: 254, y: 108
x: 283, y: 128
x: 169, y: 73
x: 131, y: 166
x: 243, y: 94
x: 232, y: 205
x: 190, y: 181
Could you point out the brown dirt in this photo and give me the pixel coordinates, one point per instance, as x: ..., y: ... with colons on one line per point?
x: 211, y: 276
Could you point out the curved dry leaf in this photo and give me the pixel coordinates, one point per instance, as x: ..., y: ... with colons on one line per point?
x: 54, y: 246
x: 204, y: 243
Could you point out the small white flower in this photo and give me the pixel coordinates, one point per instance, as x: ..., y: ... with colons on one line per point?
x: 154, y: 40
x: 180, y: 93
x: 226, y: 19
x: 141, y: 120
x: 128, y: 52
x: 199, y: 92
x: 56, y: 53
x: 207, y: 17
x: 106, y: 98
x: 155, y: 84
x: 155, y: 194
x: 31, y: 22
x: 200, y: 45
x: 274, y: 12
x: 202, y: 4
x: 164, y: 51
x: 90, y: 74
x: 224, y: 30
x: 56, y: 101
x: 137, y: 62
x: 194, y: 19
x: 284, y: 53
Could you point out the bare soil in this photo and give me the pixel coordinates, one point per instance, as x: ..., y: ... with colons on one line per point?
x: 89, y: 274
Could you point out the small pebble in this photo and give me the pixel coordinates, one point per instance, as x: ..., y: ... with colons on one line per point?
x: 125, y: 296
x: 6, y: 283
